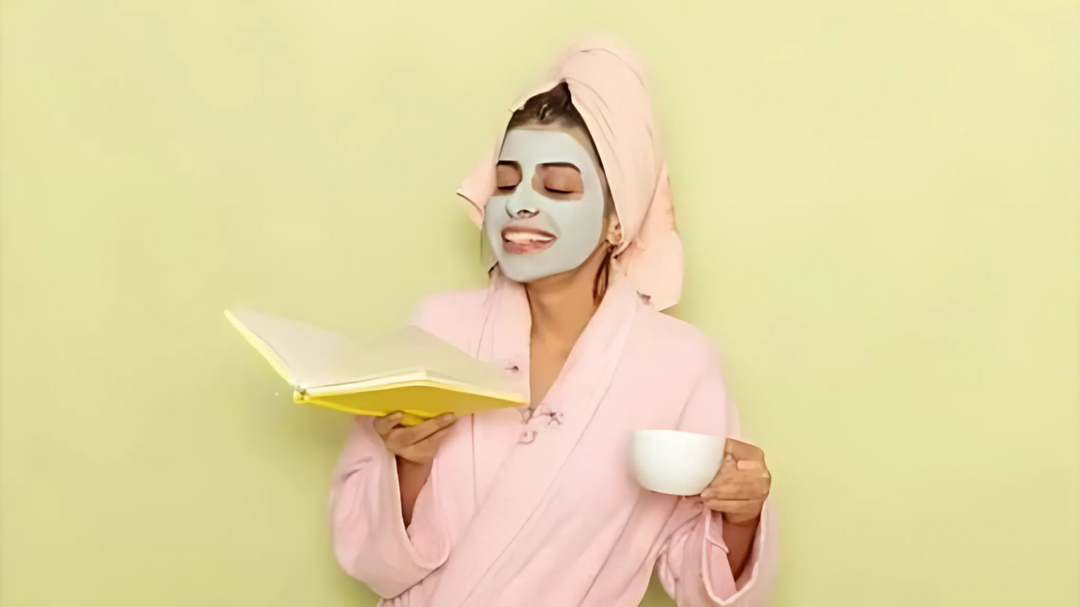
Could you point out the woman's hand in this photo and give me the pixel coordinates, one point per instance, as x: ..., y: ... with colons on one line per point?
x: 414, y: 448
x: 740, y: 488
x: 417, y: 444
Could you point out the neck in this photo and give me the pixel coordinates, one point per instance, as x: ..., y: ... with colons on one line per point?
x: 562, y: 306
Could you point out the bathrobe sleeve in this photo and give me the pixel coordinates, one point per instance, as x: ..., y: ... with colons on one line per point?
x: 370, y: 539
x: 693, y: 566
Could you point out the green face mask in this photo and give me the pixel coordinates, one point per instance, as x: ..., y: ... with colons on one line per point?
x: 534, y: 232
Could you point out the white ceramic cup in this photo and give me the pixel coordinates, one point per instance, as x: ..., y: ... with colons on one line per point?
x: 676, y: 463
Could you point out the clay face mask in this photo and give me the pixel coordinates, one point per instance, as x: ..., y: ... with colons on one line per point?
x: 547, y: 216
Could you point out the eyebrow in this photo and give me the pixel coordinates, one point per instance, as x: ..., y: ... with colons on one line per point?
x: 557, y: 165
x: 561, y: 165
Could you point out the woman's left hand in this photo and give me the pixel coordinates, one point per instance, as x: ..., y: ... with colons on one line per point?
x: 740, y: 488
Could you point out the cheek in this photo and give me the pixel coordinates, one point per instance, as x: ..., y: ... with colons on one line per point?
x: 495, y: 213
x: 584, y: 217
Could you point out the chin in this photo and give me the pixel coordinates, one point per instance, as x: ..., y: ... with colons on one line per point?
x: 522, y: 275
x: 528, y: 277
x: 528, y: 269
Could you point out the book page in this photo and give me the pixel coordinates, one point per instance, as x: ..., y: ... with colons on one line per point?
x: 411, y: 349
x: 311, y: 355
x: 319, y: 358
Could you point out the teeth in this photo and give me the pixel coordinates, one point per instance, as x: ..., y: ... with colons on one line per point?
x: 524, y: 237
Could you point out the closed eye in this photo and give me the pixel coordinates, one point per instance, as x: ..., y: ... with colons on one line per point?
x: 562, y: 179
x: 507, y: 177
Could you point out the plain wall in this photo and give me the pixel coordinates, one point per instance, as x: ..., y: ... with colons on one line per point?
x: 879, y: 202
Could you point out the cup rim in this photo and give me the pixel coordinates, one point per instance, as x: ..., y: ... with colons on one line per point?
x: 676, y: 433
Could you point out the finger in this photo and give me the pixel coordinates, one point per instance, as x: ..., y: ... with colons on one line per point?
x: 737, y: 507
x: 433, y: 441
x: 729, y: 492
x: 383, y: 425
x: 733, y: 506
x: 743, y: 451
x: 734, y: 489
x: 747, y: 471
x: 728, y: 466
x: 424, y: 451
x: 749, y: 464
x: 738, y: 482
x: 727, y: 474
x: 417, y: 433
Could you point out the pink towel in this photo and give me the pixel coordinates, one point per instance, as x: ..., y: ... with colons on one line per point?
x: 607, y: 85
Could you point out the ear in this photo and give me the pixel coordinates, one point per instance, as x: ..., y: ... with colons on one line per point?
x: 614, y: 231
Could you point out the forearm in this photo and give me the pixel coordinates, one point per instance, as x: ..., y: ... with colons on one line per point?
x: 411, y: 479
x: 739, y: 539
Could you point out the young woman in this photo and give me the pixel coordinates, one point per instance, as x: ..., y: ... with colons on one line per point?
x: 538, y: 507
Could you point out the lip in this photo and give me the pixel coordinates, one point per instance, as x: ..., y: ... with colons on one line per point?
x: 519, y: 240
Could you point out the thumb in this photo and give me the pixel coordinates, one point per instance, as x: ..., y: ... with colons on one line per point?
x: 729, y: 461
x: 728, y: 465
x: 742, y: 451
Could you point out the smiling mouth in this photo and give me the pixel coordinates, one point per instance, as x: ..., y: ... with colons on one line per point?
x: 521, y: 241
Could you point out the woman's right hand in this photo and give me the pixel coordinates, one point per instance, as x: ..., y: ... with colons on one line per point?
x: 417, y: 444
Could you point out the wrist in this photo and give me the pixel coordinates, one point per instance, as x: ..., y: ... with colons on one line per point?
x: 409, y: 466
x: 749, y: 522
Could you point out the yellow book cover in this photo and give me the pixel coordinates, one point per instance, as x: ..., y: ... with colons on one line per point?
x: 409, y: 370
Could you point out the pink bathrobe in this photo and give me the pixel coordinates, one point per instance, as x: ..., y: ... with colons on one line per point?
x: 547, y: 512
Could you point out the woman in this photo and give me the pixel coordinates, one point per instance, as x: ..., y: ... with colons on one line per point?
x: 538, y: 507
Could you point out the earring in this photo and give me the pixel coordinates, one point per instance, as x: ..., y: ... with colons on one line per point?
x: 614, y: 235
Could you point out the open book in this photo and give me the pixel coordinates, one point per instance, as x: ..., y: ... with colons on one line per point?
x: 409, y: 370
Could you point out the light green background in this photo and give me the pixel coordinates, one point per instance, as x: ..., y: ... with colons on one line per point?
x: 880, y: 208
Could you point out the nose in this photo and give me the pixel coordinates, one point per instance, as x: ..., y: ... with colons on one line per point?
x: 518, y: 206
